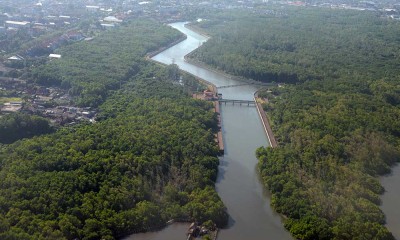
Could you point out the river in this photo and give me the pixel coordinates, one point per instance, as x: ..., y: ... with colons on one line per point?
x: 391, y: 200
x: 238, y: 183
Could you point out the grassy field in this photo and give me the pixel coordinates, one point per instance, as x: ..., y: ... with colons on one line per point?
x: 5, y: 100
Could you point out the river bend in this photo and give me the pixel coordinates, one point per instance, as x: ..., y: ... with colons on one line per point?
x: 238, y: 183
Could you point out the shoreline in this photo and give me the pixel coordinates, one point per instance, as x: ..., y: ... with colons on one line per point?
x: 196, y: 29
x: 153, y: 53
x: 218, y: 138
x: 212, y: 87
x: 265, y: 122
x: 196, y: 63
x: 263, y: 116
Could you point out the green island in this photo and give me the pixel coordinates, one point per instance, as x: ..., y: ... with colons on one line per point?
x: 149, y: 157
x: 335, y: 114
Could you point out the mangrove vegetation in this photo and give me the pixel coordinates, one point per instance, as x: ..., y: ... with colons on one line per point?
x: 336, y: 115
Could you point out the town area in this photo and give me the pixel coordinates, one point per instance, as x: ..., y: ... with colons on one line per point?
x: 32, y: 31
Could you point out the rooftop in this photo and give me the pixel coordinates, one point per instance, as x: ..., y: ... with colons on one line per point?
x: 18, y: 23
x: 54, y: 56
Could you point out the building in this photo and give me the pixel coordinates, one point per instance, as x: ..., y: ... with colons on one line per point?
x: 15, y: 58
x: 208, y: 95
x: 92, y: 8
x: 11, y: 107
x: 112, y: 19
x: 107, y: 25
x: 55, y: 56
x: 15, y: 24
x: 64, y: 17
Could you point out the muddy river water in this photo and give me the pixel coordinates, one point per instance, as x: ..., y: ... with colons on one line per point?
x: 238, y: 183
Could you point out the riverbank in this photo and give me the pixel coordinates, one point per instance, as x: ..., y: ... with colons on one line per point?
x: 219, y: 134
x: 199, y: 64
x: 197, y: 30
x: 152, y: 54
x: 237, y: 184
x: 210, y: 86
x: 194, y: 62
x: 264, y: 119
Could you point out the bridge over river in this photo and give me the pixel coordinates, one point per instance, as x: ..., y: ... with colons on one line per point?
x: 261, y: 84
x: 238, y: 183
x: 240, y: 102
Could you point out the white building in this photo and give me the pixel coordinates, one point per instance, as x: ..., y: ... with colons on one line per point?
x: 15, y: 58
x: 57, y: 56
x: 107, y: 25
x: 65, y: 17
x: 92, y: 8
x: 112, y: 19
x: 15, y: 24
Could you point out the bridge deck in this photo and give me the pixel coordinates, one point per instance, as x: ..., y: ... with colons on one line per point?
x: 233, y: 101
x: 244, y: 84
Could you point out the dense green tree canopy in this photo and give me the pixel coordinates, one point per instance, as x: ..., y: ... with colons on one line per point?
x: 16, y: 126
x: 300, y: 44
x: 337, y: 125
x: 91, y: 68
x: 150, y: 157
